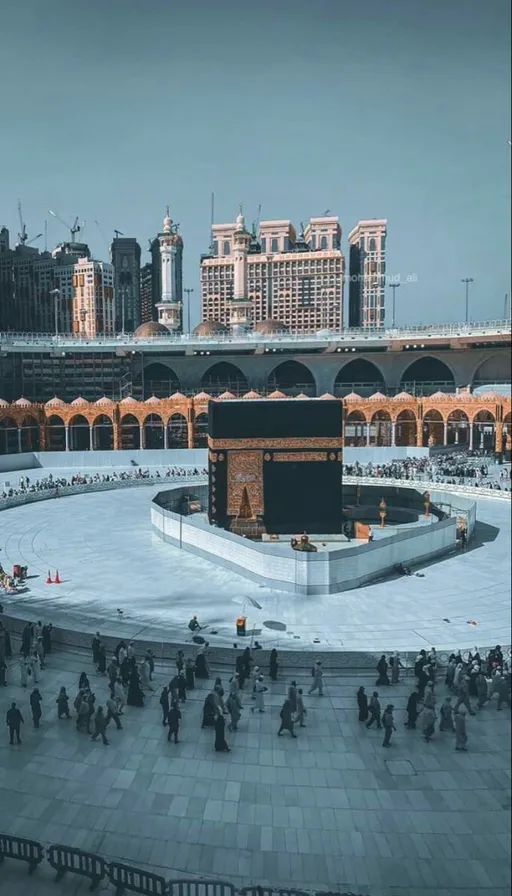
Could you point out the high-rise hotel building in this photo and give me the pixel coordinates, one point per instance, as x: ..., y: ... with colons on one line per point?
x: 367, y: 267
x: 274, y: 275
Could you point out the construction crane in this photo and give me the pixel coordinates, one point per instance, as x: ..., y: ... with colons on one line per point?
x: 23, y: 239
x: 74, y: 229
x: 118, y: 233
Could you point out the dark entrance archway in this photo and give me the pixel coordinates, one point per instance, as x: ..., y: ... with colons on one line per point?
x: 55, y: 434
x: 159, y: 380
x: 177, y: 431
x: 153, y: 432
x: 129, y: 433
x: 458, y: 428
x: 406, y: 429
x: 354, y: 429
x: 30, y: 436
x: 433, y: 428
x: 360, y: 376
x: 381, y: 429
x: 201, y: 431
x: 103, y: 433
x: 292, y: 378
x: 8, y: 436
x: 483, y: 431
x: 224, y: 377
x: 426, y: 376
x: 79, y: 438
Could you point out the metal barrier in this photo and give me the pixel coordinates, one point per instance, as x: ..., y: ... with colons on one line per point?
x: 123, y: 877
x: 66, y: 858
x: 29, y: 851
x: 200, y: 888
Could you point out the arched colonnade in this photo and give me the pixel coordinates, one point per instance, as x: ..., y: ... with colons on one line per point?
x: 474, y: 422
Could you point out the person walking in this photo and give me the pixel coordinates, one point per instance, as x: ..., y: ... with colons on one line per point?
x: 301, y: 709
x: 112, y: 713
x: 429, y: 700
x: 173, y: 718
x: 189, y: 674
x: 35, y: 707
x: 374, y: 708
x: 182, y: 687
x: 412, y: 711
x: 292, y: 696
x: 481, y: 690
x: 119, y: 696
x: 450, y: 673
x: 100, y: 723
x: 218, y: 693
x: 14, y: 720
x: 396, y: 665
x: 382, y: 669
x: 446, y: 713
x: 259, y: 702
x: 428, y: 722
x: 234, y: 707
x: 62, y: 702
x: 286, y: 719
x: 96, y: 641
x: 318, y: 679
x: 461, y: 738
x: 164, y: 703
x: 463, y: 696
x: 504, y: 692
x: 102, y: 659
x: 220, y: 744
x: 388, y: 724
x: 254, y: 678
x: 362, y: 702
x: 23, y: 671
x: 273, y: 665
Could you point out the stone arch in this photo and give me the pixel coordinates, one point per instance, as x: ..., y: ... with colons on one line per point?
x: 433, y: 428
x: 55, y: 433
x: 381, y: 429
x: 177, y: 431
x: 79, y: 433
x: 153, y: 429
x: 9, y: 436
x: 427, y: 375
x: 159, y: 379
x: 292, y: 378
x: 30, y: 434
x: 406, y: 428
x: 354, y: 429
x: 129, y: 433
x: 359, y: 375
x: 483, y: 427
x: 495, y: 370
x: 457, y: 428
x: 224, y: 377
x: 201, y: 431
x: 102, y: 433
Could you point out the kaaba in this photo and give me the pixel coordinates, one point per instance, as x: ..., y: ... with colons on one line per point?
x: 275, y: 466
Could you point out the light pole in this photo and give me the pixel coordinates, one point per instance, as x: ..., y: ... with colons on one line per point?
x: 56, y: 294
x: 467, y: 281
x: 394, y: 287
x: 188, y: 291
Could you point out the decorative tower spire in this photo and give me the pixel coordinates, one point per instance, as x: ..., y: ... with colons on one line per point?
x: 240, y: 305
x: 169, y: 307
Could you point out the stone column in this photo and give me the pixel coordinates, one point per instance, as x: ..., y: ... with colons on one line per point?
x: 66, y: 436
x: 116, y: 437
x: 393, y: 433
x: 141, y: 435
x: 419, y: 434
x: 498, y: 437
x: 470, y: 446
x: 190, y: 428
x: 445, y: 432
x: 368, y: 434
x: 19, y: 439
x: 456, y: 433
x: 91, y: 437
x: 166, y: 436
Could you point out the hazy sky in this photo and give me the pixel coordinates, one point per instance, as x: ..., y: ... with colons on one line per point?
x: 400, y: 109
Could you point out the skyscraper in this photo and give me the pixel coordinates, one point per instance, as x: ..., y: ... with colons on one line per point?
x: 367, y: 267
x: 125, y: 257
x: 147, y: 302
x: 275, y: 275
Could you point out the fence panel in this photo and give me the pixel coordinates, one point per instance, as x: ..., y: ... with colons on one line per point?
x: 66, y: 858
x: 202, y: 888
x: 124, y: 877
x: 30, y: 851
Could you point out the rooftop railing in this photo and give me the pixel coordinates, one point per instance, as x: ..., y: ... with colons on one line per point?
x: 323, y: 337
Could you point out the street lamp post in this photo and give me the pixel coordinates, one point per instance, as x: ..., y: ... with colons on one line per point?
x: 394, y: 287
x: 467, y: 281
x: 188, y: 292
x: 56, y: 294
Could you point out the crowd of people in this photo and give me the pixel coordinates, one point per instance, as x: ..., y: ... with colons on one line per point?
x: 453, y: 469
x: 464, y: 679
x: 53, y: 483
x: 471, y: 684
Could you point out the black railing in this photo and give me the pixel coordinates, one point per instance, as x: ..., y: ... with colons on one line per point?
x: 126, y: 878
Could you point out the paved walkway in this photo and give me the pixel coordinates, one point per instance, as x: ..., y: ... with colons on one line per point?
x: 331, y: 810
x: 109, y: 557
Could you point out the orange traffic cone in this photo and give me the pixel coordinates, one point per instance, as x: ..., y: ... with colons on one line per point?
x: 56, y: 580
x: 49, y: 578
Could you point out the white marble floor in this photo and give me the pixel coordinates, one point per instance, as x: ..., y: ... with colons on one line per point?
x: 108, y: 557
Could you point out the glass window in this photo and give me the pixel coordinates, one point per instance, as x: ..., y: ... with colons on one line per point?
x: 263, y: 242
x: 323, y: 242
x: 226, y: 247
x: 274, y: 246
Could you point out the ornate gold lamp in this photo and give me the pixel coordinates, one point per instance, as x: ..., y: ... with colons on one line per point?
x: 382, y: 513
x: 426, y: 501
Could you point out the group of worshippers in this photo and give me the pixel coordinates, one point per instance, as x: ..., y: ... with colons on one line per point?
x: 464, y: 678
x: 36, y: 644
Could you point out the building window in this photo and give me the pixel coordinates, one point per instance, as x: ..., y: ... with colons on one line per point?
x: 307, y: 291
x: 323, y: 242
x: 274, y: 246
x: 226, y: 248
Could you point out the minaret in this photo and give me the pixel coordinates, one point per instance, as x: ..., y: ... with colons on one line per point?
x: 169, y: 307
x: 240, y: 317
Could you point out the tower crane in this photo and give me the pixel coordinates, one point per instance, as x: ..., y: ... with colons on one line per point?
x: 73, y: 229
x: 23, y: 239
x: 118, y: 233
